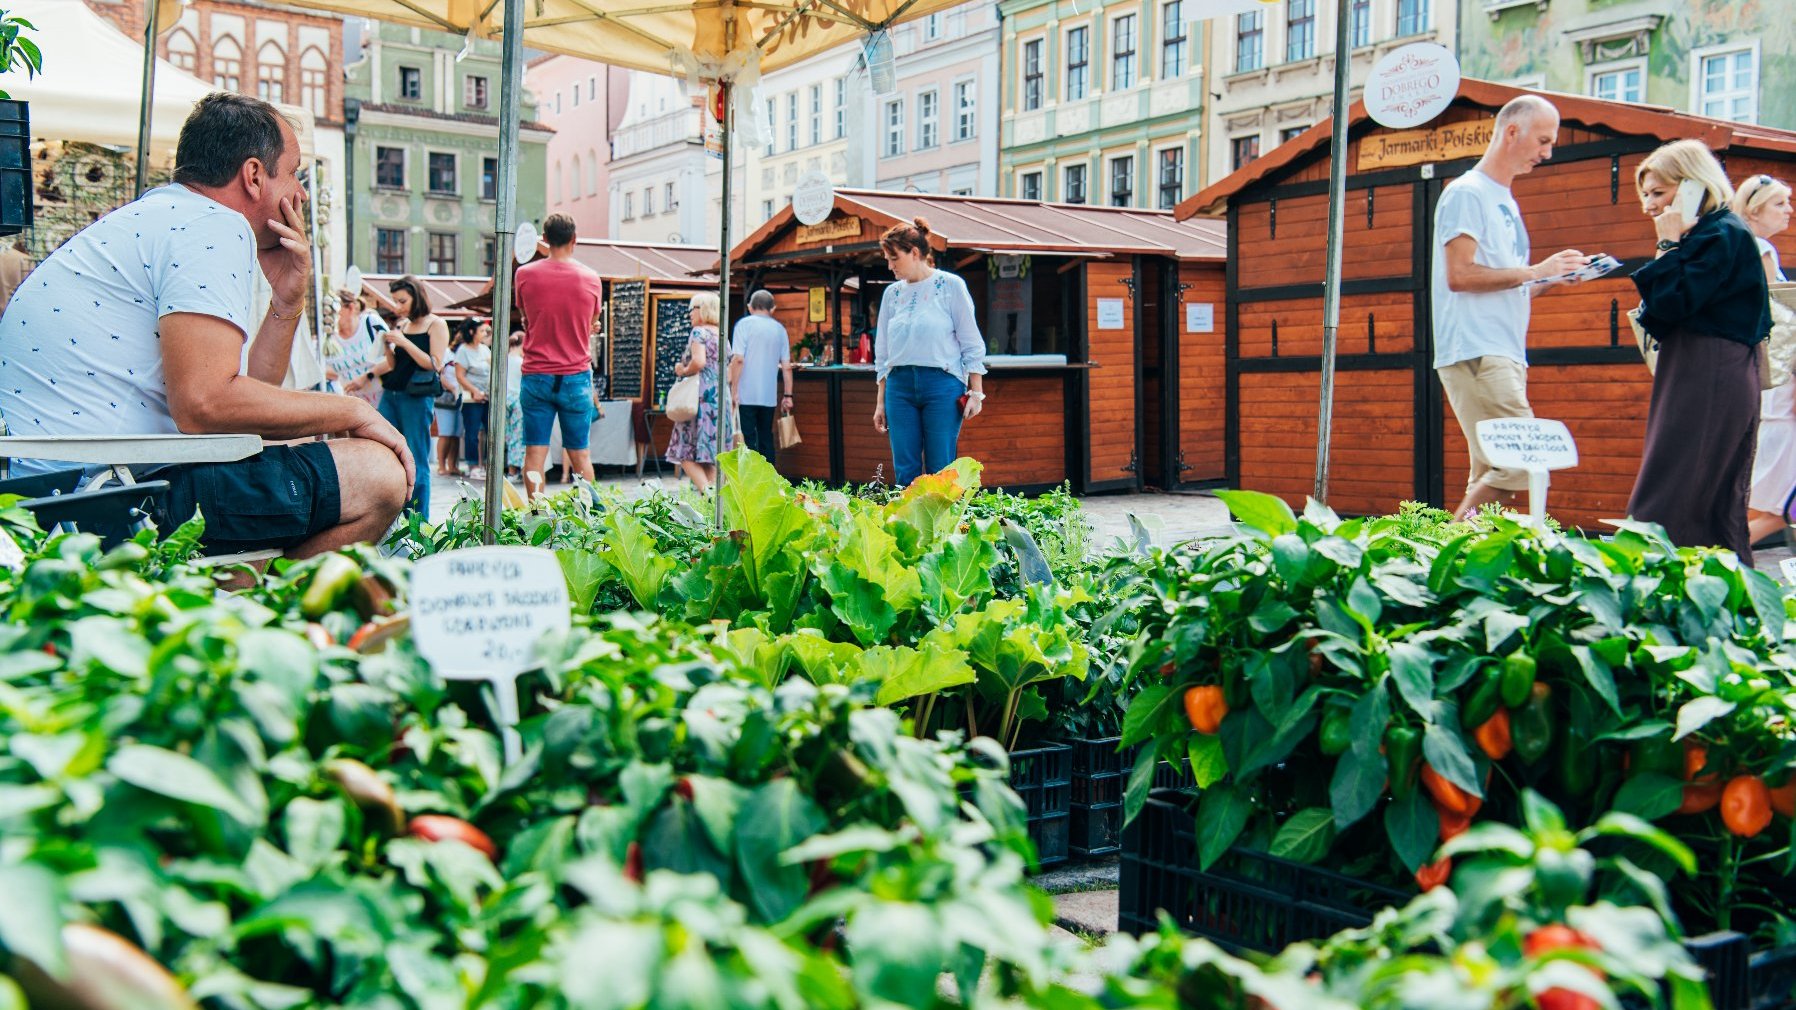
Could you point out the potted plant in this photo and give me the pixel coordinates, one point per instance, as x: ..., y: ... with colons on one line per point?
x: 15, y: 125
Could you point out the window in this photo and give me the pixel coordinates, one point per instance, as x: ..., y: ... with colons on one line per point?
x: 894, y: 120
x: 1172, y: 177
x: 1030, y: 189
x: 1172, y: 39
x: 442, y: 173
x: 630, y: 206
x: 1290, y: 132
x: 1073, y: 190
x: 1243, y: 150
x: 1250, y: 42
x: 772, y: 128
x: 473, y: 91
x: 1360, y: 21
x: 411, y: 84
x: 227, y: 64
x: 648, y: 202
x: 442, y: 253
x: 1727, y: 84
x: 592, y: 88
x: 271, y: 73
x: 1032, y: 75
x: 928, y: 120
x: 574, y: 94
x: 489, y: 254
x: 932, y: 27
x: 314, y: 81
x: 841, y: 107
x: 1078, y: 63
x: 389, y: 167
x: 1300, y: 30
x: 1619, y: 83
x: 1122, y: 53
x: 816, y: 114
x: 670, y: 197
x: 1412, y: 17
x: 1122, y: 182
x: 791, y: 120
x: 181, y: 50
x: 489, y: 178
x: 766, y: 210
x: 389, y: 250
x: 966, y: 125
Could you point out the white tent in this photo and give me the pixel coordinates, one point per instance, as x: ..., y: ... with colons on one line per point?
x: 93, y: 78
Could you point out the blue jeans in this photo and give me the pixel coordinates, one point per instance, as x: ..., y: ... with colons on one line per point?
x: 473, y: 431
x: 546, y: 398
x: 923, y: 419
x: 411, y: 415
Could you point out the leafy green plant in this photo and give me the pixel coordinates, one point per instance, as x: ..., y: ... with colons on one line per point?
x: 16, y: 49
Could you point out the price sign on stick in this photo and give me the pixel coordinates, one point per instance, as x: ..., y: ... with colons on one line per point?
x: 478, y: 614
x: 1534, y: 444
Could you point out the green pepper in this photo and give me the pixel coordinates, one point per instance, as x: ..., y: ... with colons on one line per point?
x: 128, y: 555
x: 332, y: 578
x: 1577, y: 766
x: 1485, y: 699
x: 1518, y: 678
x: 1531, y: 725
x: 1403, y: 748
x: 1337, y: 730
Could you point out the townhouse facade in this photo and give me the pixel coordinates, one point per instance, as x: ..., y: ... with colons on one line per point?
x: 937, y: 132
x: 805, y: 119
x: 583, y: 102
x: 664, y: 185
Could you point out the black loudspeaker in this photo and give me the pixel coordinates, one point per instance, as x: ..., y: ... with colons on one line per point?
x: 15, y: 167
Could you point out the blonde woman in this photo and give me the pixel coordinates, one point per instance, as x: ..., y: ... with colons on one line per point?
x: 1764, y: 204
x: 1704, y: 300
x: 693, y: 444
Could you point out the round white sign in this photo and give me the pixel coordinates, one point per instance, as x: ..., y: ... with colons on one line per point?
x: 352, y: 280
x: 1412, y: 85
x: 524, y: 245
x: 814, y: 198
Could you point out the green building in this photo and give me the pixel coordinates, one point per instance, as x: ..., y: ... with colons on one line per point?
x: 1102, y: 102
x: 422, y: 128
x: 1727, y: 59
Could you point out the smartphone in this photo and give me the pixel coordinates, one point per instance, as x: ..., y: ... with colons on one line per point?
x: 1689, y: 199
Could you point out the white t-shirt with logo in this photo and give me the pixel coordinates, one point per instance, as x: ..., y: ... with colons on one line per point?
x: 1471, y: 325
x: 80, y: 351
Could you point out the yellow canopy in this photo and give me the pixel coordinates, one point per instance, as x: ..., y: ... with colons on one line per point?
x: 659, y: 36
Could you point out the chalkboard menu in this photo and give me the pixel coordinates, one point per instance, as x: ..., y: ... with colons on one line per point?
x: 673, y: 331
x: 625, y: 332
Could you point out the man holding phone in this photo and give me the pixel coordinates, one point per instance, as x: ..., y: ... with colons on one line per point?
x: 1482, y: 285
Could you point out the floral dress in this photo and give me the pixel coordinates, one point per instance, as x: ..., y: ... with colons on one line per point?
x: 695, y: 441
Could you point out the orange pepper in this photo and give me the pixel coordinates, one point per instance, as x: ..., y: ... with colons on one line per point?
x: 1704, y: 791
x: 1453, y: 825
x: 1205, y: 707
x: 1746, y: 805
x: 1493, y: 736
x: 1557, y: 936
x: 1448, y: 798
x: 1434, y: 874
x: 1783, y: 798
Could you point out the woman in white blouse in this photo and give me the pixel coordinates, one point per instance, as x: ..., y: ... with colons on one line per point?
x: 928, y: 355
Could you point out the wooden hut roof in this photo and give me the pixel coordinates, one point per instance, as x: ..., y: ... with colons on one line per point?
x: 446, y: 293
x: 689, y: 265
x: 1623, y: 118
x: 989, y: 224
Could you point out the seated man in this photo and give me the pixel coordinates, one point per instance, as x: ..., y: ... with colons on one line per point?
x: 137, y: 325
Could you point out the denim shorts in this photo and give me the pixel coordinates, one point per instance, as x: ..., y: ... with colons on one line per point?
x: 277, y: 498
x: 543, y: 398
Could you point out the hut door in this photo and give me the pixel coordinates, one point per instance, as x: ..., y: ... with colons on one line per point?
x: 1158, y: 438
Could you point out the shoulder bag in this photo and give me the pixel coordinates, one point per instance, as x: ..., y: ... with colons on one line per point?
x: 682, y: 399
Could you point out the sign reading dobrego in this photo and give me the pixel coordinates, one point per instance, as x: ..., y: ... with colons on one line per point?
x: 1414, y: 147
x: 1412, y: 85
x: 1527, y: 443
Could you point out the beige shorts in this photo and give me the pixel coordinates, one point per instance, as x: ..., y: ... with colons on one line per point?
x: 1480, y: 389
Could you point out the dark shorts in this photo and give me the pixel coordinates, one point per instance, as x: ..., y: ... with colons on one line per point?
x: 277, y: 498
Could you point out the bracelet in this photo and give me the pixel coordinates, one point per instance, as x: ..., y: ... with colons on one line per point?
x: 296, y: 312
x: 975, y: 394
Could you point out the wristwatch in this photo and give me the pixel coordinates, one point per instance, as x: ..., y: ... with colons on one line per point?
x: 1666, y: 245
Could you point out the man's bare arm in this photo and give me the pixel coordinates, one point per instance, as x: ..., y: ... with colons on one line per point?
x: 271, y: 355
x: 1467, y: 276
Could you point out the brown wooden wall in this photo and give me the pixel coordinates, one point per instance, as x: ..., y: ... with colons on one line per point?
x: 1373, y: 457
x: 1203, y: 373
x: 1110, y: 425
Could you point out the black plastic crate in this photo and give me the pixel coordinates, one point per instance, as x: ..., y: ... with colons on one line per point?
x: 1245, y: 901
x: 1051, y: 835
x: 1099, y: 771
x: 1176, y: 778
x: 1097, y: 829
x: 1042, y: 776
x: 1770, y: 979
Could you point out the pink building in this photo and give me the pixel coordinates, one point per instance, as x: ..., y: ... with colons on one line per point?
x: 937, y: 132
x: 584, y: 101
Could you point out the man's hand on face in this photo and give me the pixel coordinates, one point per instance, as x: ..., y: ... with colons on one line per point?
x: 288, y: 266
x: 375, y: 428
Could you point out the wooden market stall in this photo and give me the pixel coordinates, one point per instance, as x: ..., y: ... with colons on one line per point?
x: 1394, y: 436
x: 1082, y: 309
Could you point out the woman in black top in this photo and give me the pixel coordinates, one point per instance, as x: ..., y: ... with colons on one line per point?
x: 1704, y: 300
x: 419, y: 343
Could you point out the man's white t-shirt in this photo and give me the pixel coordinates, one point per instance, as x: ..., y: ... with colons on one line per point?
x: 763, y: 344
x: 1471, y: 325
x: 80, y: 351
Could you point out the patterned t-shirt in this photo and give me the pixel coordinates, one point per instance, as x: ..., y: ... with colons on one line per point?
x: 80, y: 351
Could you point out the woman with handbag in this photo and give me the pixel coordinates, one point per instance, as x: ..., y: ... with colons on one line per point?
x: 1764, y: 204
x: 692, y: 402
x: 1704, y: 300
x: 410, y: 377
x: 447, y: 412
x: 473, y: 366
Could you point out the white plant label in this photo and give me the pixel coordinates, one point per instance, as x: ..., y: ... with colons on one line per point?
x: 479, y: 613
x: 1412, y: 85
x: 10, y: 554
x: 1527, y: 443
x: 1788, y: 567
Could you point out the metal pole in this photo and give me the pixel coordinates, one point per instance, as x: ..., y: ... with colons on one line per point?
x: 1337, y: 228
x: 148, y: 102
x: 322, y: 323
x: 723, y: 270
x: 511, y: 84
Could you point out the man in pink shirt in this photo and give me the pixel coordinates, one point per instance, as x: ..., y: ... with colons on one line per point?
x: 561, y: 301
